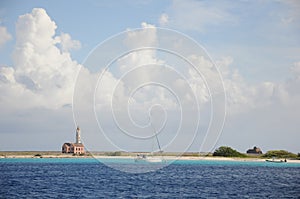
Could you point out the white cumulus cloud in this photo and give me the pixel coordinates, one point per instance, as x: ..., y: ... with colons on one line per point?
x: 42, y: 74
x: 4, y: 36
x: 67, y: 43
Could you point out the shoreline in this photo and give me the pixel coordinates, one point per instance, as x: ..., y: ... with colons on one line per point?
x: 189, y: 158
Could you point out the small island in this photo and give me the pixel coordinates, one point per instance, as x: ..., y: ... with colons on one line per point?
x: 77, y: 150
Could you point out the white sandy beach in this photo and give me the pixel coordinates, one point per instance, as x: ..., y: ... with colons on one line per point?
x: 164, y: 157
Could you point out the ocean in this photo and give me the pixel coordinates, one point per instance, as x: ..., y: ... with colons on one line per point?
x: 87, y: 178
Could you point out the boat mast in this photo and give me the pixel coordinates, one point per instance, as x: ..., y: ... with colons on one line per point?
x: 156, y: 138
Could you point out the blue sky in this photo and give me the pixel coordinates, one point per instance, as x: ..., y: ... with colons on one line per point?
x: 255, y: 27
x: 88, y: 21
x: 255, y: 44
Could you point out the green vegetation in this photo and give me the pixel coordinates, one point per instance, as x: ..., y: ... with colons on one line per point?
x: 226, y: 151
x: 116, y: 153
x: 279, y: 154
x: 223, y: 151
x: 191, y: 154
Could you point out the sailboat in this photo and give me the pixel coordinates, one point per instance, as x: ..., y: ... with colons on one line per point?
x: 146, y: 158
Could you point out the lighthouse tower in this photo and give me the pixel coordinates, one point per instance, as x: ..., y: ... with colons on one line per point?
x: 76, y: 148
x: 78, y: 138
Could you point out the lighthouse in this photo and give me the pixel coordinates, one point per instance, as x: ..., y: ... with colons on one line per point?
x: 76, y: 148
x: 78, y: 139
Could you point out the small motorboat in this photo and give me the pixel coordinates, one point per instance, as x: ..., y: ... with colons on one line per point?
x: 276, y: 161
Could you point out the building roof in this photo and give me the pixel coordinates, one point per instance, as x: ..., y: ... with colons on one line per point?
x: 255, y: 150
x: 78, y: 144
x: 74, y: 144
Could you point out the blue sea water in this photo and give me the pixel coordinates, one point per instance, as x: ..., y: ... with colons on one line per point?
x: 87, y: 178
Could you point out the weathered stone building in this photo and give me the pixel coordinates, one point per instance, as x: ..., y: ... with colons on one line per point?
x: 255, y: 151
x: 75, y: 148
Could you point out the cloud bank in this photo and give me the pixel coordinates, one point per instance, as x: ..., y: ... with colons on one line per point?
x: 43, y: 76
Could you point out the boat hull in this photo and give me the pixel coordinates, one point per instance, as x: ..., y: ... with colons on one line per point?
x: 276, y: 161
x: 148, y: 159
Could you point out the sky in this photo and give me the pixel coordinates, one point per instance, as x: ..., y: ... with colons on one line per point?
x: 244, y: 90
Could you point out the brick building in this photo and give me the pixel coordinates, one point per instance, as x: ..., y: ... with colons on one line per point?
x: 75, y: 148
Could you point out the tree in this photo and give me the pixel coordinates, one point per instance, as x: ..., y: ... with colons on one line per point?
x: 226, y: 151
x: 279, y: 154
